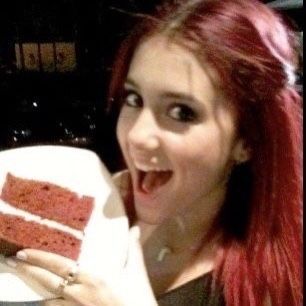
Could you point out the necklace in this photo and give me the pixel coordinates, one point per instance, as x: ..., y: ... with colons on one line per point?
x: 166, y: 250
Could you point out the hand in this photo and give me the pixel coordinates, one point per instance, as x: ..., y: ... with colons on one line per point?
x: 50, y: 269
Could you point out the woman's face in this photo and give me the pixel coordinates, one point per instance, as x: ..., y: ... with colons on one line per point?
x: 176, y: 133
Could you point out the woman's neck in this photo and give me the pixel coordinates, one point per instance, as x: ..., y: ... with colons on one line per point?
x: 177, y: 253
x: 181, y: 248
x: 191, y: 228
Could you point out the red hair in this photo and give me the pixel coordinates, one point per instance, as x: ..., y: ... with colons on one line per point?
x: 251, y: 50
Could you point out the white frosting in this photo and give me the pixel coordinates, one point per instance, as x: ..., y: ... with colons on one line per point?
x: 8, y: 209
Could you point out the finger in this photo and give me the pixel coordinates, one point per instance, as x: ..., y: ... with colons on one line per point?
x: 57, y: 264
x: 46, y: 279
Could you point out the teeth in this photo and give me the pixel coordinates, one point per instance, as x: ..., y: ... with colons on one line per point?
x: 146, y: 168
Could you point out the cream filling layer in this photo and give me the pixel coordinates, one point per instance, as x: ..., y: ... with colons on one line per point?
x: 6, y: 208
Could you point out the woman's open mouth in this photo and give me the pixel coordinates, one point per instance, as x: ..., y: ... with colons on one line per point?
x: 151, y: 180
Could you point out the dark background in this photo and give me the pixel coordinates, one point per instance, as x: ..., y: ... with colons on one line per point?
x: 68, y: 108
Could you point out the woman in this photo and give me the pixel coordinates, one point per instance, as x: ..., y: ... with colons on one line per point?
x: 209, y: 127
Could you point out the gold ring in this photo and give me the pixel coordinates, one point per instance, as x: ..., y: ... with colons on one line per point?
x: 68, y: 280
x: 72, y: 274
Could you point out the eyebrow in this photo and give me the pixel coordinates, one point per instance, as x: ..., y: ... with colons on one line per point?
x: 180, y: 96
x: 176, y: 95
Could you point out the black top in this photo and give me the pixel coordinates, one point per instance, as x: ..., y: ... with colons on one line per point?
x: 194, y: 293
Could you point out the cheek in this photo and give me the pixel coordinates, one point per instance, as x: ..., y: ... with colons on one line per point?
x: 214, y: 144
x: 119, y: 132
x: 207, y: 153
x: 197, y: 148
x: 121, y: 138
x: 122, y: 130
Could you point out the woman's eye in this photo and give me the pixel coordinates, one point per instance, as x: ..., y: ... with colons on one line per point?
x: 182, y: 112
x: 132, y: 99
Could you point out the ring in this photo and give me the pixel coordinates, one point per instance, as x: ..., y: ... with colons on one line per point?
x: 61, y: 287
x: 72, y: 274
x: 68, y: 280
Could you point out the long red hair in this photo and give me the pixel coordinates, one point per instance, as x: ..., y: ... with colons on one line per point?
x: 251, y: 49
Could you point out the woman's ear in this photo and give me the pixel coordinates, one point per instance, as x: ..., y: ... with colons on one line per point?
x: 241, y: 152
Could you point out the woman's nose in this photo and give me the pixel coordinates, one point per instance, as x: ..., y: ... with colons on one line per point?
x: 144, y: 133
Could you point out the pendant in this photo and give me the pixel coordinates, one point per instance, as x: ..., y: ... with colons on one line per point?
x: 163, y: 253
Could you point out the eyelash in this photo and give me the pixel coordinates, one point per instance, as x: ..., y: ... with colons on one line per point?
x: 186, y: 113
x: 129, y: 93
x: 182, y: 112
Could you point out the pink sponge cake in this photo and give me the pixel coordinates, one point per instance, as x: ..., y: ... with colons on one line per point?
x: 42, y: 215
x: 16, y: 233
x: 45, y: 199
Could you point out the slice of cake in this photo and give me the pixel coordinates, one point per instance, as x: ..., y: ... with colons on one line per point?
x: 16, y: 233
x: 42, y: 215
x: 45, y: 199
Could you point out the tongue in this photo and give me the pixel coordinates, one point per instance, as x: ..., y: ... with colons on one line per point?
x: 154, y: 179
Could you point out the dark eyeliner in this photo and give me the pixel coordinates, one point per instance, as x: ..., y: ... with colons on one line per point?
x: 131, y: 98
x: 184, y: 112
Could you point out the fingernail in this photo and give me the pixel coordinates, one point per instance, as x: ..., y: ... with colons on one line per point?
x: 21, y: 255
x: 11, y: 262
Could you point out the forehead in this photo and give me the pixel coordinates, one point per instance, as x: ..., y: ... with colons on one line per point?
x: 161, y: 65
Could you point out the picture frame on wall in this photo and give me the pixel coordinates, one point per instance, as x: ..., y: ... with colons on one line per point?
x: 31, y: 56
x: 65, y: 56
x: 47, y: 57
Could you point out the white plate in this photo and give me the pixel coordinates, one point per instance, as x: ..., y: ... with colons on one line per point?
x: 104, y: 248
